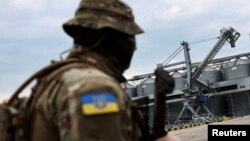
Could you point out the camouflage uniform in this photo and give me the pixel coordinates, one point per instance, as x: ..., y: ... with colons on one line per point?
x: 84, y: 101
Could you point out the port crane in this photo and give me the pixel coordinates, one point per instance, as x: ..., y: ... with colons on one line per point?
x: 192, y: 78
x: 193, y: 71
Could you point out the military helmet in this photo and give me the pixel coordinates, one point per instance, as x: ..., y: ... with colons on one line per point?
x: 98, y: 14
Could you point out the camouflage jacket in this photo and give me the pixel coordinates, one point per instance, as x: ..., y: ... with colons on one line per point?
x: 82, y: 104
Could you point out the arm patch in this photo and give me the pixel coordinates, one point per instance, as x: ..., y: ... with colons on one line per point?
x: 99, y: 103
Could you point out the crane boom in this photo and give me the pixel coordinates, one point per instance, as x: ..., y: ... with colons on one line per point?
x: 229, y: 35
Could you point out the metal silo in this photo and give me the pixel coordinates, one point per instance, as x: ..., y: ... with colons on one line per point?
x: 130, y: 89
x: 237, y: 69
x: 179, y: 79
x: 146, y: 87
x: 237, y: 102
x: 218, y: 104
x: 211, y: 75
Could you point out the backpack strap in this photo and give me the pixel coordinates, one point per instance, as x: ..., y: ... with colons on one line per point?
x: 48, y: 79
x: 41, y: 73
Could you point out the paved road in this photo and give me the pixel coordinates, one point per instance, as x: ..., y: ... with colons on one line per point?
x: 200, y: 133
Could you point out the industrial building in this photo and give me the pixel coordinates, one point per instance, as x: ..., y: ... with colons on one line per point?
x: 210, y: 88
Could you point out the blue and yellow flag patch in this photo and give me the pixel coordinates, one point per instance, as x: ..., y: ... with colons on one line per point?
x: 99, y: 103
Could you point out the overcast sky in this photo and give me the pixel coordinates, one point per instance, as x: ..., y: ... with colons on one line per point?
x: 31, y: 34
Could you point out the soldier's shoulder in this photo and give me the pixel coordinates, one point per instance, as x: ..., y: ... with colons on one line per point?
x: 85, y: 75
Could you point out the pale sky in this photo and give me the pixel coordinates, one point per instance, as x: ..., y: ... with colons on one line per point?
x: 31, y: 34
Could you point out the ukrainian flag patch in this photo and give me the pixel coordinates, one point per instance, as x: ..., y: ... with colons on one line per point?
x: 99, y: 103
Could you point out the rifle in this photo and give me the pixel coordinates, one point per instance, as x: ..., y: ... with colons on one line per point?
x: 164, y: 84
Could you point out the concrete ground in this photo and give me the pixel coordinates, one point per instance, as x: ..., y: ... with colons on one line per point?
x: 199, y: 133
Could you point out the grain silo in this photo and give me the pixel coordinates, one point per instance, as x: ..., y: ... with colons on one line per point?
x: 180, y: 80
x: 211, y: 75
x: 146, y: 87
x: 130, y: 89
x: 238, y: 103
x: 236, y: 69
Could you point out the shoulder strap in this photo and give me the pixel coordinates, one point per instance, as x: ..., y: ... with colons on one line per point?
x: 38, y: 74
x: 49, y: 78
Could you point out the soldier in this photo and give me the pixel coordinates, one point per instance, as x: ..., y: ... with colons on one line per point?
x: 82, y: 100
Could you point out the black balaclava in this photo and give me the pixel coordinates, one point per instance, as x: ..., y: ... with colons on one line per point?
x: 117, y: 47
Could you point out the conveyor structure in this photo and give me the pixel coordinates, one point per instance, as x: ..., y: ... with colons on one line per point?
x: 194, y: 86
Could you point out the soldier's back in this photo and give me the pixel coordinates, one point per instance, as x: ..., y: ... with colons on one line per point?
x: 83, y: 104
